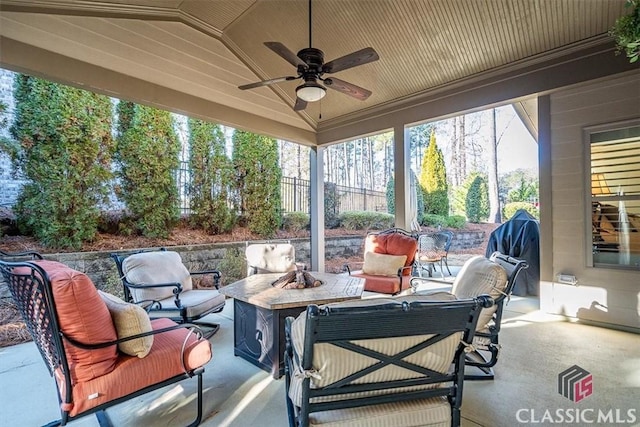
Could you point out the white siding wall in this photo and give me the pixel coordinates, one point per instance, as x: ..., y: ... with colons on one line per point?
x: 604, y: 295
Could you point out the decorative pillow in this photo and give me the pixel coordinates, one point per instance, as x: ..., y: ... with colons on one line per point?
x: 129, y: 319
x: 382, y: 265
x: 154, y: 268
x: 83, y: 317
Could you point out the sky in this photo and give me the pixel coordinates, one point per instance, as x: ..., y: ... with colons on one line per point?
x: 517, y: 149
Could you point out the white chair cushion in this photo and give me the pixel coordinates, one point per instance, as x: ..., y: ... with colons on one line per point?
x: 271, y: 258
x: 195, y: 301
x: 432, y: 412
x: 480, y: 276
x: 153, y: 268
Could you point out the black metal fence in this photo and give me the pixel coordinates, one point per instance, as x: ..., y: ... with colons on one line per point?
x: 295, y: 195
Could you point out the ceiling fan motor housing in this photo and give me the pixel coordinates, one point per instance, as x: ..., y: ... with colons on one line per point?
x: 314, y: 58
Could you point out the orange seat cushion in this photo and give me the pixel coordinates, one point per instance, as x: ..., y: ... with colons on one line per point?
x: 393, y: 244
x: 83, y: 317
x: 164, y: 361
x: 382, y: 284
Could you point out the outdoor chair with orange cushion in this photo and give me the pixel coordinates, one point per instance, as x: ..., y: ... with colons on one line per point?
x: 100, y: 350
x: 388, y: 261
x: 160, y: 282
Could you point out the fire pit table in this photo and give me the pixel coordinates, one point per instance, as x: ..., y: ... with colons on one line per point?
x: 260, y: 310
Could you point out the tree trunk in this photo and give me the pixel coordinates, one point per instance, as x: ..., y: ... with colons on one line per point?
x: 494, y: 200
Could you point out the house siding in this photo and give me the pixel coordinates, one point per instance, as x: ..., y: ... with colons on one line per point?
x: 606, y: 296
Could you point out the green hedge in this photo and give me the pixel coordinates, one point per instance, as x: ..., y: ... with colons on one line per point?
x: 366, y: 220
x: 295, y: 221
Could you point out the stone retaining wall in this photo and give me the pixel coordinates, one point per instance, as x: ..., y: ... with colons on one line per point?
x: 102, y: 269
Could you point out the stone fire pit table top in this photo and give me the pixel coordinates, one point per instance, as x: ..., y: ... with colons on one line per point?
x: 257, y: 290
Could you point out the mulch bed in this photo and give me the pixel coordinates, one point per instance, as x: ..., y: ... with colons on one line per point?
x: 12, y: 329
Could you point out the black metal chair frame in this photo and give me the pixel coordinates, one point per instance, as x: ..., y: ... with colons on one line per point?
x: 156, y: 306
x: 34, y: 298
x: 341, y: 326
x: 476, y: 358
x: 443, y: 241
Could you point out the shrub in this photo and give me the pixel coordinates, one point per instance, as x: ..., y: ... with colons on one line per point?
x: 456, y: 221
x: 295, y: 221
x: 477, y: 201
x: 63, y: 146
x: 148, y: 179
x: 233, y: 266
x: 390, y: 195
x: 511, y: 208
x: 366, y: 220
x: 331, y: 205
x: 258, y: 175
x: 432, y: 220
x: 212, y: 176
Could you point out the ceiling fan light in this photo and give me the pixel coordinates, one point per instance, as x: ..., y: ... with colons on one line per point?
x: 311, y: 92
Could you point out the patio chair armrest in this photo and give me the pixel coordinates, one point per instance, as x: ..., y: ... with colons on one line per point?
x: 176, y: 285
x: 95, y: 346
x: 215, y: 273
x: 401, y: 270
x: 352, y: 266
x: 31, y: 254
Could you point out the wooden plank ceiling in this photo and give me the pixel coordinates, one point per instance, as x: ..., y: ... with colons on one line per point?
x: 208, y: 48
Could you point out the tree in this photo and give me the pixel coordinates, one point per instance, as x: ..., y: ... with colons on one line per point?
x: 211, y: 178
x: 64, y: 148
x: 520, y: 185
x: 494, y: 200
x: 255, y: 160
x: 433, y: 180
x: 147, y: 159
x: 477, y: 201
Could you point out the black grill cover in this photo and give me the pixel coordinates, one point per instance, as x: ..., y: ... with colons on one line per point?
x: 520, y: 238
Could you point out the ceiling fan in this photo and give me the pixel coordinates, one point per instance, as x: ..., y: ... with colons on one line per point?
x: 311, y: 68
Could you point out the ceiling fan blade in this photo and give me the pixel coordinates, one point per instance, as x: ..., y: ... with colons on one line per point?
x: 267, y: 82
x: 285, y: 53
x: 300, y: 105
x: 347, y: 88
x: 361, y: 57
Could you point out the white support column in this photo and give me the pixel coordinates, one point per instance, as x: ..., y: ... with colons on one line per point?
x: 402, y: 185
x: 316, y: 160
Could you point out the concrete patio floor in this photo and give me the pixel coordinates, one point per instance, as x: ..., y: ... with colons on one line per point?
x: 536, y: 348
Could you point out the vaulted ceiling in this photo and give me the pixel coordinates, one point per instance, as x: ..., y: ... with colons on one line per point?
x: 190, y: 56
